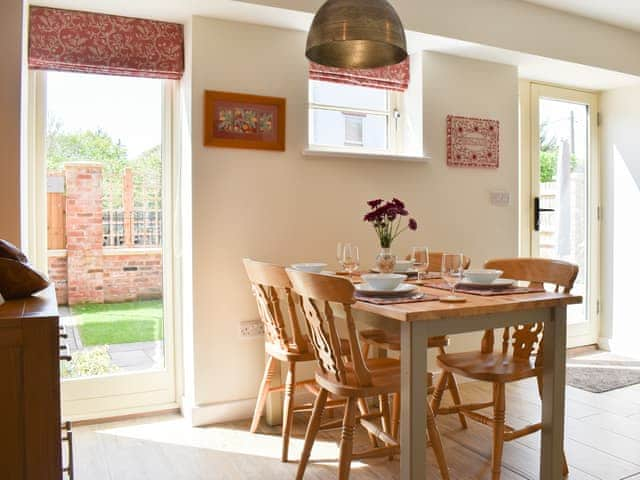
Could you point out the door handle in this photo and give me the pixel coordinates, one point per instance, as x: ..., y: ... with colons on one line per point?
x: 536, y: 213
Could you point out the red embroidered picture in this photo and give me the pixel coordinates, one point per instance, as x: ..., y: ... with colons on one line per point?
x: 473, y: 142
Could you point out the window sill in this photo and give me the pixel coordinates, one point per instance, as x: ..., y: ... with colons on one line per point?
x: 399, y: 157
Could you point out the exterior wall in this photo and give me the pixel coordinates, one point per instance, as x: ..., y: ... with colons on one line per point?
x: 136, y: 276
x: 58, y: 275
x: 83, y: 183
x: 85, y: 272
x: 127, y: 275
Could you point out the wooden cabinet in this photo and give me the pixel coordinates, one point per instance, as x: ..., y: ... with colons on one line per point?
x: 30, y: 444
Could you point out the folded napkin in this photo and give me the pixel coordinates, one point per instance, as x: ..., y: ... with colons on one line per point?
x: 416, y: 297
x: 489, y: 292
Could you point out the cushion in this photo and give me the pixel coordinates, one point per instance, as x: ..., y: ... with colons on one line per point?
x: 19, y: 280
x: 9, y: 250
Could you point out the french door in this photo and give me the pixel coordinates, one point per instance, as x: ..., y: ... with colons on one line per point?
x: 100, y: 222
x: 561, y: 193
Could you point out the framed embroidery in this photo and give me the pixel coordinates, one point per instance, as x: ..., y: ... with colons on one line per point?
x: 473, y: 142
x: 236, y: 120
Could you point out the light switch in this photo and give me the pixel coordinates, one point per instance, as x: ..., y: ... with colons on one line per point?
x: 500, y: 198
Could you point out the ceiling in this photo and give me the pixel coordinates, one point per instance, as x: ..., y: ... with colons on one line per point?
x: 532, y: 67
x: 622, y: 13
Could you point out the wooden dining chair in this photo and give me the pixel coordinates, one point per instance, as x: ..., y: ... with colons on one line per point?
x: 519, y: 358
x: 355, y: 380
x: 283, y: 343
x: 390, y: 342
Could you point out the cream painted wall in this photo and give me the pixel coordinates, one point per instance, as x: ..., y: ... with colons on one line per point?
x: 620, y: 154
x: 10, y: 94
x: 284, y: 207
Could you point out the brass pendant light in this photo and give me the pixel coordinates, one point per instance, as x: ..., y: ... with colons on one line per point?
x: 356, y: 34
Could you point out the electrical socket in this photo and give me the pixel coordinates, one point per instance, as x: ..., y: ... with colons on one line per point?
x: 251, y: 329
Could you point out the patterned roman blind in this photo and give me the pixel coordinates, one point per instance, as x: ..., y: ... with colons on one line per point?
x: 393, y: 77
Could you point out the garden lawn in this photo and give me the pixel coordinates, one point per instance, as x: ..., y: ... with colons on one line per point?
x: 112, y: 323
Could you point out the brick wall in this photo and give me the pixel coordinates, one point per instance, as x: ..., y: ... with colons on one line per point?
x: 132, y: 277
x: 58, y: 275
x: 85, y: 272
x: 127, y: 276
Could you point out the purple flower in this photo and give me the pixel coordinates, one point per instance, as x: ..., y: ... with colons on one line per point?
x: 375, y: 203
x: 413, y: 225
x: 398, y: 203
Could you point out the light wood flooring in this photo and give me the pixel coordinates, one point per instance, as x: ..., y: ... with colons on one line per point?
x: 603, y: 442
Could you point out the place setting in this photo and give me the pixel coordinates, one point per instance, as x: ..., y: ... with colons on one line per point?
x: 389, y: 288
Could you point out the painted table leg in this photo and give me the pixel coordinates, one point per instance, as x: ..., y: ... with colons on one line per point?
x: 553, y: 392
x: 413, y: 418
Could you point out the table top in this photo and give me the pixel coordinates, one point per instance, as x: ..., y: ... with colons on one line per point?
x: 475, y: 305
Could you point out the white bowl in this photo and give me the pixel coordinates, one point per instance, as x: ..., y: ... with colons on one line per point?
x: 482, y: 275
x: 310, y: 267
x: 403, y: 265
x: 384, y: 281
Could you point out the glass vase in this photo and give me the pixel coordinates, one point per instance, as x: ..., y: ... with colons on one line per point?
x: 386, y: 261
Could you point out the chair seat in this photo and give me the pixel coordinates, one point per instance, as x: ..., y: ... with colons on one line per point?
x: 385, y: 378
x: 489, y: 367
x: 288, y: 355
x: 391, y: 341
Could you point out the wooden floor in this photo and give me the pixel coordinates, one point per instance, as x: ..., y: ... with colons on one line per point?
x: 603, y: 441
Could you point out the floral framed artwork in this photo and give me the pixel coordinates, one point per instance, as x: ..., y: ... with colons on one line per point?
x: 237, y: 120
x: 473, y: 142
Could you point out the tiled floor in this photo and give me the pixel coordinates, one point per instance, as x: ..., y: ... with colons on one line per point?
x: 602, y: 431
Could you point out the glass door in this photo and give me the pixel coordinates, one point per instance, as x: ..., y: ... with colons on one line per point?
x: 107, y: 185
x: 565, y: 196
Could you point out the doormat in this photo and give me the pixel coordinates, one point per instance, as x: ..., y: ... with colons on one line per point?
x: 602, y: 372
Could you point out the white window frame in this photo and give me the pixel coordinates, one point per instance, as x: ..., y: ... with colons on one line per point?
x: 393, y: 112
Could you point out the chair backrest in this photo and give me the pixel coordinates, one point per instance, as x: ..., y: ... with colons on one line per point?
x: 435, y: 261
x: 526, y: 340
x: 271, y: 286
x: 316, y: 292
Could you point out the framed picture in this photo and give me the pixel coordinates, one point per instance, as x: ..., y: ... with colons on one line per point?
x: 237, y: 120
x: 473, y: 142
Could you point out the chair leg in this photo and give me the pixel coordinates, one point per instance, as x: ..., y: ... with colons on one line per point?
x: 364, y: 410
x: 383, y: 402
x: 498, y: 429
x: 346, y: 441
x: 436, y: 444
x: 395, y: 415
x: 312, y: 431
x: 565, y: 465
x: 263, y: 393
x: 439, y: 392
x: 455, y: 393
x: 365, y: 350
x: 287, y: 420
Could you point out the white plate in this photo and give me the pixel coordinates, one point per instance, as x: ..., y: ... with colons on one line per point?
x: 497, y: 283
x: 402, y: 289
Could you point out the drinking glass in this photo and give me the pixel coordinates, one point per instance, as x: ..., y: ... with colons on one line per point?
x: 452, y: 270
x: 420, y: 259
x: 350, y: 258
x: 339, y: 251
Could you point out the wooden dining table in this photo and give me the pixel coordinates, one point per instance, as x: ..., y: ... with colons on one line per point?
x: 421, y: 320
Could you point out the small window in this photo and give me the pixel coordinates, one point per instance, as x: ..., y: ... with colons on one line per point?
x: 352, y: 118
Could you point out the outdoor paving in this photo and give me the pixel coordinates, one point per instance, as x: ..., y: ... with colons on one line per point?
x: 127, y: 356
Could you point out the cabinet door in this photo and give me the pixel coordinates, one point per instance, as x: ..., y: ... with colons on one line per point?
x: 12, y: 445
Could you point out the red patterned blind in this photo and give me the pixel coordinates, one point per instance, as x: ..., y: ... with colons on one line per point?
x: 394, y: 77
x: 84, y: 42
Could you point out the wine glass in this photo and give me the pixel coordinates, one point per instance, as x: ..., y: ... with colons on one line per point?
x: 452, y: 270
x: 339, y: 251
x: 420, y: 259
x: 350, y: 258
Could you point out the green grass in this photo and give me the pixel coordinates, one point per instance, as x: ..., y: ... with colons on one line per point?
x: 111, y: 323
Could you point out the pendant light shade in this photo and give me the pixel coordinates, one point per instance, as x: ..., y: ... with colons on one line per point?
x: 356, y: 34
